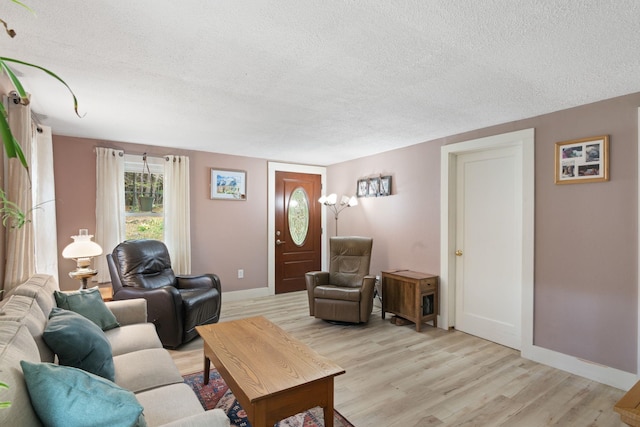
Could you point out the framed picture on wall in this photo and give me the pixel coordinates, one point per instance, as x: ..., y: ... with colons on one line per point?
x: 363, y: 187
x: 228, y: 184
x: 374, y: 187
x: 385, y: 185
x: 582, y: 160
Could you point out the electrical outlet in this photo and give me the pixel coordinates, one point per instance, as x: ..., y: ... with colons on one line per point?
x: 241, y: 274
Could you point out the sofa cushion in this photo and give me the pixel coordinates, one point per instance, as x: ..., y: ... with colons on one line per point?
x: 89, y: 303
x: 130, y: 338
x: 65, y: 396
x: 25, y: 310
x: 337, y: 293
x: 79, y: 342
x: 166, y: 404
x: 135, y: 372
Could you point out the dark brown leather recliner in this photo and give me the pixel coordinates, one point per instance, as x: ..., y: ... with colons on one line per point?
x: 175, y: 304
x: 345, y: 292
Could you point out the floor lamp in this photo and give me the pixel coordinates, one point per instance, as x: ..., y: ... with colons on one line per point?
x: 331, y: 201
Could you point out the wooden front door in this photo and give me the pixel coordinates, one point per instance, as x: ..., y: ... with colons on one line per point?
x: 298, y: 229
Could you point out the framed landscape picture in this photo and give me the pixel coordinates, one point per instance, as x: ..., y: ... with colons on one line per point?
x: 582, y: 160
x: 228, y: 184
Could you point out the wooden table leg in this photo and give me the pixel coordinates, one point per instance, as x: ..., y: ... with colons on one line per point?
x: 207, y: 370
x: 260, y: 415
x: 328, y: 410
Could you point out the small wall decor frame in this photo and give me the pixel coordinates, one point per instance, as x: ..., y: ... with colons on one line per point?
x: 374, y: 187
x: 582, y: 160
x: 385, y: 185
x: 228, y: 184
x: 363, y: 188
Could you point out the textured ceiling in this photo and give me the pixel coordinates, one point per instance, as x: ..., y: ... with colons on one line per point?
x: 317, y: 82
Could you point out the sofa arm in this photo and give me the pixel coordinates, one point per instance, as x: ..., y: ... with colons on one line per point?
x: 212, y: 418
x: 130, y: 311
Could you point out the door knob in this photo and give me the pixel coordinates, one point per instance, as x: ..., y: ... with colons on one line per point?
x: 279, y: 242
x: 458, y: 252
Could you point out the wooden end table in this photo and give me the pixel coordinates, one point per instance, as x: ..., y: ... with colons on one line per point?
x: 629, y: 406
x: 411, y: 295
x: 273, y: 375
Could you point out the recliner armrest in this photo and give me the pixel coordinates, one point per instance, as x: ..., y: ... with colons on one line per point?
x: 164, y: 302
x: 366, y: 306
x: 316, y: 278
x: 368, y: 282
x: 201, y: 281
x: 313, y: 279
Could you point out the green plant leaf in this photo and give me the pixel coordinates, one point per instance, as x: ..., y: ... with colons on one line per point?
x: 22, y: 93
x: 11, y: 146
x: 23, y: 5
x: 4, y: 404
x: 24, y: 98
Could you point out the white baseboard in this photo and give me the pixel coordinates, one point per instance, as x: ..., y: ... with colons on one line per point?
x: 584, y: 368
x: 245, y: 294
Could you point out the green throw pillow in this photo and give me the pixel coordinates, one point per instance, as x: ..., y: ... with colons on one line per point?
x: 89, y: 303
x: 70, y: 397
x: 78, y: 342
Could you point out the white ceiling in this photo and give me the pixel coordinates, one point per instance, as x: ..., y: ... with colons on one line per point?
x: 317, y: 81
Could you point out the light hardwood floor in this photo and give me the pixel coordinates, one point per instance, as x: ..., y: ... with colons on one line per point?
x: 396, y: 376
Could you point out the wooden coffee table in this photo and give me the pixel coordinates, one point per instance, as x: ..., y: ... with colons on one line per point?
x: 273, y: 375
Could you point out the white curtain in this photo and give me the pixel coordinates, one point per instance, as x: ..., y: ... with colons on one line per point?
x: 44, y: 194
x: 177, y: 213
x: 109, y: 206
x: 20, y: 262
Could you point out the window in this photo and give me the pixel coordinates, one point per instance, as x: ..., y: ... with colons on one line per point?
x: 143, y: 195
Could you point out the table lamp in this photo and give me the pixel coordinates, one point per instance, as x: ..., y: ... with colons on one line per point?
x: 82, y: 250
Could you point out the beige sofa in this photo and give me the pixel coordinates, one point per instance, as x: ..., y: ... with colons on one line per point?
x: 141, y: 364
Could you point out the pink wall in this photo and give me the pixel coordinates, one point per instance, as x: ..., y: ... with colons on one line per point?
x: 225, y: 235
x: 406, y: 225
x: 586, y: 254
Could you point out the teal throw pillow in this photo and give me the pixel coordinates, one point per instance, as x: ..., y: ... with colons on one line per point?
x: 89, y: 303
x: 70, y: 397
x: 78, y: 342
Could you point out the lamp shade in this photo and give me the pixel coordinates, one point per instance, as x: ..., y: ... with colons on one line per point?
x: 82, y: 247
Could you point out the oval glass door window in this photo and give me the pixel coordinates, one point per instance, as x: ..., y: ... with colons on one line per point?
x: 298, y: 215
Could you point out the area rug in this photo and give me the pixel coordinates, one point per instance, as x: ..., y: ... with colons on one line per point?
x: 217, y: 394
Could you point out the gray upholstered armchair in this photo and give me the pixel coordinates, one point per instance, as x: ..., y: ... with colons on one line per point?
x: 345, y: 292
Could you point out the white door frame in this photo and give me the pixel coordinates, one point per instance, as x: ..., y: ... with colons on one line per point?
x: 525, y: 140
x: 271, y: 213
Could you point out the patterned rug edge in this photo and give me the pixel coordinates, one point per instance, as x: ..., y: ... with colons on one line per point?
x: 218, y: 395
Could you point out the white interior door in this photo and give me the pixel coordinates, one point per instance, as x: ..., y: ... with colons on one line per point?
x: 489, y: 245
